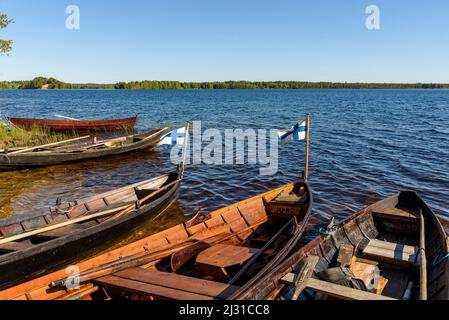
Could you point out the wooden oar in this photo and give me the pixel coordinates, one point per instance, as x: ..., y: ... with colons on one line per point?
x: 259, y: 253
x: 46, y: 145
x: 126, y: 209
x: 60, y: 225
x: 304, y: 275
x: 422, y: 258
x: 68, y: 118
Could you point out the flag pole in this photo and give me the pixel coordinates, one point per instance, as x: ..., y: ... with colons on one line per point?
x: 184, y: 152
x: 306, y: 171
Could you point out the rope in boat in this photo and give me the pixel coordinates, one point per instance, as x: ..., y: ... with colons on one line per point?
x: 327, y: 231
x: 440, y: 258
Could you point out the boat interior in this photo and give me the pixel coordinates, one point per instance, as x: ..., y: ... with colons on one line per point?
x: 88, y: 144
x: 375, y: 256
x: 206, y: 258
x: 112, y: 203
x: 210, y: 256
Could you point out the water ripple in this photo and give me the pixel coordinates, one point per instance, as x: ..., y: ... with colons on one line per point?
x: 365, y: 145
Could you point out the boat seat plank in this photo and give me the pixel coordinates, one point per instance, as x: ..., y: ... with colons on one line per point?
x: 146, y: 289
x: 15, y: 246
x: 167, y: 285
x: 179, y: 282
x: 342, y: 292
x: 223, y: 256
x: 64, y: 231
x: 391, y: 252
x: 394, y: 214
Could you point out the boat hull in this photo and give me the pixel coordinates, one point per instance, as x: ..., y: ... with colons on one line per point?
x: 41, y: 259
x: 44, y: 159
x: 233, y: 218
x: 357, y: 231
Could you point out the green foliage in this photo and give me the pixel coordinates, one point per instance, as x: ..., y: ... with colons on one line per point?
x: 5, y: 45
x: 52, y: 83
x: 175, y: 85
x: 14, y: 137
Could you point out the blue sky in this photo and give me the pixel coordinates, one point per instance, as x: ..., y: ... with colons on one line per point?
x: 208, y: 40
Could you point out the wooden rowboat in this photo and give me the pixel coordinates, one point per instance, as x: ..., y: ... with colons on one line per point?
x: 41, y: 243
x: 397, y: 252
x: 59, y: 153
x: 68, y: 125
x: 208, y: 257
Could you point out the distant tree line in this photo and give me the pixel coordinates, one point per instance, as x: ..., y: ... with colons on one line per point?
x: 51, y: 83
x: 160, y: 85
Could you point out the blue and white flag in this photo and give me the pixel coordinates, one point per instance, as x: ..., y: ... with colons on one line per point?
x: 294, y: 133
x: 174, y: 137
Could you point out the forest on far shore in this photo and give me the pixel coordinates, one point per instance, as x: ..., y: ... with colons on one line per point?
x: 52, y: 83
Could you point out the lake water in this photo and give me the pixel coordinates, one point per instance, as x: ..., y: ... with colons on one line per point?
x: 366, y: 144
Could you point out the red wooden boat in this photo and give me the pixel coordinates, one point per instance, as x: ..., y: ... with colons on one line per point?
x: 67, y: 125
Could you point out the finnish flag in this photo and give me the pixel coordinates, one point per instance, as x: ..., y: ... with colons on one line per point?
x: 294, y: 133
x: 174, y: 137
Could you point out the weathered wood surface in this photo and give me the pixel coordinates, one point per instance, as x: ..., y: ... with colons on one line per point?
x: 422, y: 259
x: 391, y: 252
x: 342, y: 292
x: 304, y: 276
x: 177, y: 284
x: 368, y: 225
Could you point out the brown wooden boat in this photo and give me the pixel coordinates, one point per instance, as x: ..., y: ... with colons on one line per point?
x: 71, y: 151
x: 208, y: 257
x: 391, y: 250
x: 39, y: 243
x: 68, y: 125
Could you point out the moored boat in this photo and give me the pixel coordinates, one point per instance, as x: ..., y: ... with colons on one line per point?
x: 208, y: 257
x: 76, y: 150
x: 40, y: 243
x: 69, y: 125
x: 394, y: 249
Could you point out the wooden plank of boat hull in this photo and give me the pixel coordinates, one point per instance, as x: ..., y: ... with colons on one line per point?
x: 15, y: 246
x: 148, y: 289
x: 342, y: 292
x: 64, y: 231
x: 178, y: 282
